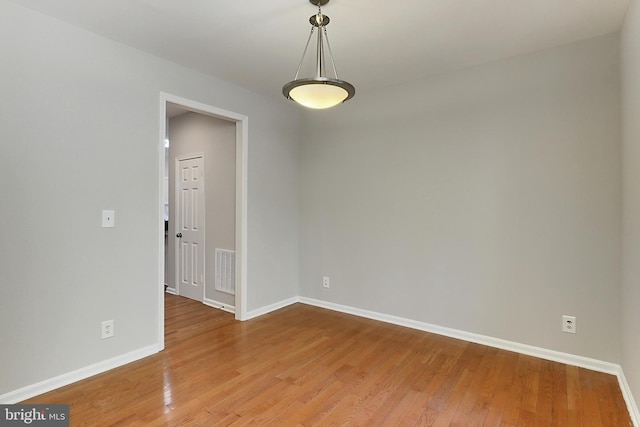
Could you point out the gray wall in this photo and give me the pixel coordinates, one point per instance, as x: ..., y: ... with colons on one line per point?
x: 196, y: 133
x: 630, y: 42
x: 79, y: 128
x: 486, y: 200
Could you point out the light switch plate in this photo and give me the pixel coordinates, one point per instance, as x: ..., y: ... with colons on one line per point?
x: 108, y: 218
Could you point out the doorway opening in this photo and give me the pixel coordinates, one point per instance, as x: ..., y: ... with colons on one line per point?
x: 171, y: 105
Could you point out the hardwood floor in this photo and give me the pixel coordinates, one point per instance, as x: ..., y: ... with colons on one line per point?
x: 304, y: 366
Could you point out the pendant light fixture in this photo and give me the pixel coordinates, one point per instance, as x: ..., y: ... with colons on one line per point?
x: 319, y: 91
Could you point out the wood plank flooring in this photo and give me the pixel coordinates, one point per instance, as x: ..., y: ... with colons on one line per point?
x: 305, y: 366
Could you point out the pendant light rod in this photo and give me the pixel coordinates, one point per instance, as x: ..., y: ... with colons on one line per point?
x: 320, y: 53
x: 333, y: 63
x: 306, y: 47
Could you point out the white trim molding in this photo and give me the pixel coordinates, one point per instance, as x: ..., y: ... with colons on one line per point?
x: 273, y: 307
x: 219, y: 305
x: 634, y: 413
x: 77, y: 375
x: 556, y: 356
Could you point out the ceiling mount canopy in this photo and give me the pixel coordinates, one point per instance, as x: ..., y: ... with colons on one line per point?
x: 319, y: 91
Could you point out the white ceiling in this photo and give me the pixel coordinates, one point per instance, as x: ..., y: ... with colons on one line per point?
x: 258, y: 44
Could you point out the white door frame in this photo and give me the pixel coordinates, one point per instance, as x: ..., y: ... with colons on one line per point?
x: 242, y: 141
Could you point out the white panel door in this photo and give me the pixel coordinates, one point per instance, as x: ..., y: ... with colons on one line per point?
x: 190, y: 228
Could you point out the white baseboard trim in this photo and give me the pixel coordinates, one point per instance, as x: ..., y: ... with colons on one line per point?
x: 556, y: 356
x: 171, y: 290
x: 77, y: 375
x: 269, y: 308
x: 628, y: 398
x: 222, y: 306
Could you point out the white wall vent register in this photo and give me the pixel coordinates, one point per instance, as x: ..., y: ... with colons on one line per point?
x: 226, y: 271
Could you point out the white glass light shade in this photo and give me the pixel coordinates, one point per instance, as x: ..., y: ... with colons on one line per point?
x: 318, y: 93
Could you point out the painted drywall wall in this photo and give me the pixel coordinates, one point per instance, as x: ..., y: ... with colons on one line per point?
x: 193, y: 133
x: 630, y: 71
x: 486, y: 200
x: 79, y: 128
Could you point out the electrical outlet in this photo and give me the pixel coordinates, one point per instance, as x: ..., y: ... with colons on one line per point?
x: 325, y: 282
x: 107, y: 329
x: 569, y: 324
